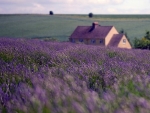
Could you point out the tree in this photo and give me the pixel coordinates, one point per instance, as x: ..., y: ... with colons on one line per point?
x: 51, y: 13
x: 90, y: 15
x: 137, y: 43
x: 147, y: 35
x: 121, y: 31
x: 143, y: 43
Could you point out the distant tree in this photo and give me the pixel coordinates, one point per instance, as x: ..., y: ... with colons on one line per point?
x: 121, y: 31
x: 51, y: 13
x: 90, y: 15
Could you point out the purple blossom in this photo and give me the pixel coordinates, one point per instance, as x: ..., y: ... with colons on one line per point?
x: 38, y: 76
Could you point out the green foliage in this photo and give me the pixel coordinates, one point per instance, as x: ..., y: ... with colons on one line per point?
x: 7, y: 57
x: 97, y: 82
x: 19, y: 111
x: 143, y: 43
x: 35, y: 60
x: 111, y: 54
x: 130, y: 87
x: 4, y: 110
x: 147, y: 35
x: 46, y: 110
x: 75, y: 60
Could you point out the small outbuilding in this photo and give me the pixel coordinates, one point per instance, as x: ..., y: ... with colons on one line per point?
x: 99, y: 35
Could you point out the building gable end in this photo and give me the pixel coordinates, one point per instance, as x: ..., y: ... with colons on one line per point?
x: 110, y: 35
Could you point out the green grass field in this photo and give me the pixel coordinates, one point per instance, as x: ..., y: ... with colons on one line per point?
x: 61, y: 26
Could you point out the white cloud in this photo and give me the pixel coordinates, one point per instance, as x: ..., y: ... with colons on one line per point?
x: 36, y: 5
x: 99, y: 1
x: 136, y: 11
x: 112, y: 11
x: 75, y: 6
x: 34, y: 8
x: 57, y: 1
x: 14, y: 9
x: 1, y: 10
x: 117, y: 1
x: 11, y: 1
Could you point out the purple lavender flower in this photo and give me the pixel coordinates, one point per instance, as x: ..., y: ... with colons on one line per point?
x: 39, y: 76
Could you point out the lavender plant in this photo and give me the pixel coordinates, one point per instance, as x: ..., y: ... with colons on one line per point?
x: 60, y: 77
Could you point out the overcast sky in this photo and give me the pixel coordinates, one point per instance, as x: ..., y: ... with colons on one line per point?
x: 75, y: 6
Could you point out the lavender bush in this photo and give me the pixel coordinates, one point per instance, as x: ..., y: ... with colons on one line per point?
x: 53, y: 77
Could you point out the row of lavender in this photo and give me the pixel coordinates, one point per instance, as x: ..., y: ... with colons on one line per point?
x: 38, y: 76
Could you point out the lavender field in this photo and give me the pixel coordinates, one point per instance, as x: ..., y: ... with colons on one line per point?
x: 61, y: 77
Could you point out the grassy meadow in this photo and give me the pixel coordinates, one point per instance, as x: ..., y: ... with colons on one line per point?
x: 61, y: 26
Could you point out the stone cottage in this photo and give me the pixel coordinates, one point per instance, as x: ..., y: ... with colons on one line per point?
x: 99, y: 35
